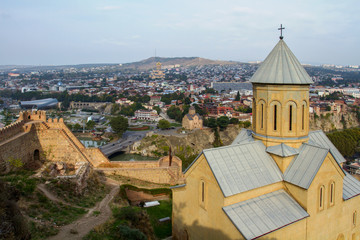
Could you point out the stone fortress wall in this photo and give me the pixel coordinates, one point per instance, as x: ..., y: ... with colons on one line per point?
x: 151, y: 171
x: 34, y: 139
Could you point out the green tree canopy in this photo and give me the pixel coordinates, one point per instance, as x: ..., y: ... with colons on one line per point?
x: 175, y: 113
x: 119, y: 125
x: 222, y: 122
x: 158, y: 109
x: 76, y: 127
x: 163, y: 124
x: 90, y: 125
x: 237, y: 98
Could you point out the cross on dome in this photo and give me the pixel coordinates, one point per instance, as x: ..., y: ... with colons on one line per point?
x: 281, y: 28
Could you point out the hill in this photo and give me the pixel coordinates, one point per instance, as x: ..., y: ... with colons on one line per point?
x: 182, y: 61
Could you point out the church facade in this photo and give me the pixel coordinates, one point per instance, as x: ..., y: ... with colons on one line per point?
x: 192, y: 120
x: 276, y: 181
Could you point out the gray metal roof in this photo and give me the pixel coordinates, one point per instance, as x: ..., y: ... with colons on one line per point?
x: 281, y: 67
x: 245, y: 136
x: 320, y: 139
x: 264, y: 214
x: 282, y: 150
x: 304, y: 167
x: 41, y: 103
x: 242, y: 167
x: 351, y: 187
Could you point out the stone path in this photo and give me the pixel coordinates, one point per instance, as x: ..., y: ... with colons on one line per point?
x: 84, y: 225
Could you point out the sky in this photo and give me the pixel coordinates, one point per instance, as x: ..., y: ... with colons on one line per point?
x: 57, y: 32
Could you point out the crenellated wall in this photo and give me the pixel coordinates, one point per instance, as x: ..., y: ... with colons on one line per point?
x: 33, y: 139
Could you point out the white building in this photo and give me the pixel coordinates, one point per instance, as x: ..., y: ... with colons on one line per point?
x: 150, y: 115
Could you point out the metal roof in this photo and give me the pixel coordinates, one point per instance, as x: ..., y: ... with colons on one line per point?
x: 282, y: 150
x: 42, y: 103
x: 320, y: 139
x: 245, y: 136
x: 351, y: 187
x: 264, y: 214
x: 304, y: 167
x: 281, y: 67
x: 242, y: 167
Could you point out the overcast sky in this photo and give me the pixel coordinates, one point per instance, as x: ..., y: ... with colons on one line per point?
x: 91, y: 31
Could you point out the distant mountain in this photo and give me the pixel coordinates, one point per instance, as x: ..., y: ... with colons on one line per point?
x: 182, y: 61
x: 29, y: 68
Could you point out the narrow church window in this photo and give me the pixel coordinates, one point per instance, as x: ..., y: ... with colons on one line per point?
x: 354, y: 219
x: 290, y: 118
x: 332, y: 193
x: 275, y: 116
x: 303, y: 118
x: 262, y: 115
x: 202, y: 192
x: 321, y: 198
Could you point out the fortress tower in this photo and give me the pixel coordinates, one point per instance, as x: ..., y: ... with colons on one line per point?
x: 281, y: 99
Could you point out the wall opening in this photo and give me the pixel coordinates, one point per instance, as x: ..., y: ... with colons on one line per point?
x: 202, y: 192
x: 303, y: 118
x: 36, y: 155
x: 332, y: 193
x: 290, y: 118
x: 262, y: 115
x: 321, y: 197
x: 354, y: 219
x: 275, y: 117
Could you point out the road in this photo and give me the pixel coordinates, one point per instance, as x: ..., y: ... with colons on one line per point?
x: 129, y: 137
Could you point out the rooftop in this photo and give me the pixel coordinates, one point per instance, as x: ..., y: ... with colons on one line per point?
x: 281, y: 67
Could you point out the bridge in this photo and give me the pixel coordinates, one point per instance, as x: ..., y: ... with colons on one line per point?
x: 121, y: 144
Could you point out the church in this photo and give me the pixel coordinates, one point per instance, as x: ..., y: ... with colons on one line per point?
x: 192, y: 120
x: 276, y: 181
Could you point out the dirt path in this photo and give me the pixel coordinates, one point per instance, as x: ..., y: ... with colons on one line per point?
x: 50, y: 195
x: 84, y: 225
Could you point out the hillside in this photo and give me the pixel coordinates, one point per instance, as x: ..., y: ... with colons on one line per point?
x: 330, y: 122
x: 182, y: 61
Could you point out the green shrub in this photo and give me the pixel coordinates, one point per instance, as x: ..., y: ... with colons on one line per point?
x: 125, y: 233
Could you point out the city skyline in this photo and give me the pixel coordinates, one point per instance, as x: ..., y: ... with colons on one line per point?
x: 76, y: 32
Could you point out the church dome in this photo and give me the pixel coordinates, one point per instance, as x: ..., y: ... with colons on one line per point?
x: 281, y: 67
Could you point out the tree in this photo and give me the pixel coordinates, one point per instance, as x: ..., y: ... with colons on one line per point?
x: 187, y: 101
x: 222, y: 122
x: 237, y: 98
x: 234, y: 121
x: 158, y: 109
x: 90, y: 125
x: 163, y: 124
x: 77, y: 127
x: 119, y: 125
x: 174, y: 113
x: 211, y: 123
x: 114, y: 108
x: 245, y: 124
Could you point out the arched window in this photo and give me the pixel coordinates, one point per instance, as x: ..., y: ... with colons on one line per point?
x: 36, y: 155
x: 321, y: 197
x: 262, y: 116
x: 202, y: 194
x: 275, y: 117
x: 303, y: 117
x: 354, y: 219
x: 332, y: 193
x: 290, y: 117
